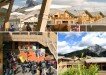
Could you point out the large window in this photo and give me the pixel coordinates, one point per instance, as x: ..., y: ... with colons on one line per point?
x: 64, y: 22
x: 56, y: 16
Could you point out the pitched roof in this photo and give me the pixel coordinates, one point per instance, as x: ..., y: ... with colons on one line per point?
x: 104, y: 13
x: 96, y: 13
x: 53, y: 11
x: 76, y: 13
x: 96, y: 60
x: 100, y: 22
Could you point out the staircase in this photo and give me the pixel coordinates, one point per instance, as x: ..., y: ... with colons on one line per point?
x: 52, y: 48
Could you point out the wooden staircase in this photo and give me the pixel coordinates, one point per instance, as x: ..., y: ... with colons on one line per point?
x: 52, y: 48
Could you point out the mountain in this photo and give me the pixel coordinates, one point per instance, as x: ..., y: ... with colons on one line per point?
x: 60, y: 54
x: 94, y: 51
x: 97, y: 49
x: 31, y: 3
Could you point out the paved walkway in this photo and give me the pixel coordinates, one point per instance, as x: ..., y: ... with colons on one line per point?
x: 102, y: 73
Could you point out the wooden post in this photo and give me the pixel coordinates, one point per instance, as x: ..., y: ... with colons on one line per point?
x: 8, y: 14
x: 43, y: 17
x: 29, y: 41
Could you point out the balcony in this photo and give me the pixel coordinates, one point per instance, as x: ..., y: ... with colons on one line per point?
x: 25, y: 37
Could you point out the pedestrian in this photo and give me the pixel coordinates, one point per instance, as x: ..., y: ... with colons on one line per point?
x: 34, y: 68
x: 28, y: 28
x: 42, y: 52
x: 23, y: 68
x: 38, y: 52
x: 43, y: 66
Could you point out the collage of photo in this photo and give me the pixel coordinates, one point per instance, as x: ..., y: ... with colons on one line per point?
x: 52, y: 37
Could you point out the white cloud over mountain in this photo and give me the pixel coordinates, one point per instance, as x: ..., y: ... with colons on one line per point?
x: 91, y: 38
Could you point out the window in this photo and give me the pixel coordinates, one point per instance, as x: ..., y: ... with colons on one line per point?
x: 56, y: 16
x: 58, y: 22
x: 65, y: 22
x: 49, y: 22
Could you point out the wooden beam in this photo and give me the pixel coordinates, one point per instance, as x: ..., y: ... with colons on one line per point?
x: 43, y: 17
x: 8, y: 14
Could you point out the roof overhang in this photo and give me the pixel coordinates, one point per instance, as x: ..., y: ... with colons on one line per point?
x: 96, y: 60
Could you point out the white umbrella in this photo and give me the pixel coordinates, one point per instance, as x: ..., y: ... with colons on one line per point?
x: 17, y: 14
x: 33, y: 19
x: 51, y: 7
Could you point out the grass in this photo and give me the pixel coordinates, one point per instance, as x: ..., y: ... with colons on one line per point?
x: 81, y: 70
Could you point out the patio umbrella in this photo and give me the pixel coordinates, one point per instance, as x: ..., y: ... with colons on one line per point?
x: 17, y: 15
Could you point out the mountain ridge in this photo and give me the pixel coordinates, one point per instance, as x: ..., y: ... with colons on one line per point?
x: 94, y: 51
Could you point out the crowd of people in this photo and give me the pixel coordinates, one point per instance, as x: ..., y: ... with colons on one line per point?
x: 41, y: 68
x: 13, y: 65
x: 10, y: 62
x: 38, y: 51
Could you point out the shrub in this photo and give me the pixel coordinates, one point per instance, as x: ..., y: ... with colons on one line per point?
x: 81, y: 70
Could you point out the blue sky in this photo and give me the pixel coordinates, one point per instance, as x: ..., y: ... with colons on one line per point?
x: 72, y: 41
x: 91, y: 5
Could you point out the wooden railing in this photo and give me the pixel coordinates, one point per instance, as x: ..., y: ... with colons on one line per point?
x: 26, y: 37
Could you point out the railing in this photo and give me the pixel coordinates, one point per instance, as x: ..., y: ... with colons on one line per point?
x: 25, y: 36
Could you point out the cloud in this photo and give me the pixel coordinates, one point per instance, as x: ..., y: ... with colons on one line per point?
x: 64, y: 47
x: 69, y: 34
x: 15, y: 7
x: 83, y: 4
x: 68, y: 2
x: 89, y: 39
x: 94, y: 38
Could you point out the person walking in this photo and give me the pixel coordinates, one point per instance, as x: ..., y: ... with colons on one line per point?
x: 28, y: 28
x: 34, y: 68
x: 23, y: 68
x: 43, y: 66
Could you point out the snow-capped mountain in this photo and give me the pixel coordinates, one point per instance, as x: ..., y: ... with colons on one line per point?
x: 97, y: 49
